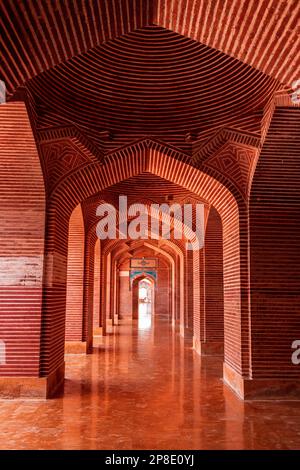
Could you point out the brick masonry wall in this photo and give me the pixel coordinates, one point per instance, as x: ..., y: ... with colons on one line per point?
x: 96, y: 307
x: 196, y: 295
x: 89, y: 180
x: 88, y: 289
x: 199, y: 325
x: 22, y: 227
x: 162, y: 291
x: 103, y: 293
x: 214, y: 298
x: 189, y: 289
x: 75, y: 271
x: 162, y: 288
x: 275, y: 249
x: 125, y: 307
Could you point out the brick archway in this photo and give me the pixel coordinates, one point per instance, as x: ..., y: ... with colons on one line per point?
x: 89, y: 180
x: 177, y: 264
x: 135, y: 293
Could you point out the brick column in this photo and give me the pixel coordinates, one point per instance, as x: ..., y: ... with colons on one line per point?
x: 209, y: 291
x: 199, y: 299
x: 189, y: 290
x: 115, y: 293
x: 75, y: 272
x: 125, y: 294
x: 108, y: 296
x: 88, y: 290
x: 275, y: 262
x: 135, y: 299
x: 22, y: 231
x: 96, y: 302
x: 213, y: 339
x: 103, y: 274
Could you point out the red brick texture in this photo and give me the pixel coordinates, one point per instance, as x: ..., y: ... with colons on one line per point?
x: 214, y: 288
x: 22, y: 232
x: 96, y: 300
x: 125, y: 298
x: 88, y: 290
x: 205, y: 115
x: 89, y: 25
x: 162, y: 299
x: 275, y: 250
x: 75, y: 272
x: 199, y: 324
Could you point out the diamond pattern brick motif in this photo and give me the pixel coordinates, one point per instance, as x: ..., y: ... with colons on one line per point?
x: 237, y: 162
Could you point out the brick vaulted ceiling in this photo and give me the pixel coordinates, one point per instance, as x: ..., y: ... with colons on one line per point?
x: 155, y: 82
x: 36, y: 35
x: 160, y: 191
x: 195, y: 75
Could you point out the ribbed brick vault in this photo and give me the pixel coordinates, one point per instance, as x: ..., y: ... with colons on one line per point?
x: 162, y: 101
x: 38, y: 35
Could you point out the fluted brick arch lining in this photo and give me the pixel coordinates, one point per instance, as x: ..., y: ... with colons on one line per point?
x: 94, y: 178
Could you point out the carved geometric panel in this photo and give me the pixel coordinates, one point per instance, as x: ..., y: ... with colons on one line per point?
x: 61, y: 157
x: 236, y: 162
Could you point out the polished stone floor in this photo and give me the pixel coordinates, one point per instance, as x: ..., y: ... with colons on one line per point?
x: 145, y: 388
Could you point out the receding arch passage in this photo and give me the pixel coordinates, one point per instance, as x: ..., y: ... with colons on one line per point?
x: 145, y: 302
x: 143, y: 290
x: 110, y: 111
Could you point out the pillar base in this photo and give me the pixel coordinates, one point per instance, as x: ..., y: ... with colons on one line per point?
x: 32, y: 387
x: 76, y: 347
x: 261, y: 389
x: 108, y: 327
x: 97, y: 331
x: 116, y: 319
x: 210, y: 348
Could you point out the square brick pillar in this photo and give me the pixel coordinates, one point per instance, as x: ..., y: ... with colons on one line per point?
x: 75, y: 285
x: 274, y: 277
x: 275, y: 262
x: 22, y: 232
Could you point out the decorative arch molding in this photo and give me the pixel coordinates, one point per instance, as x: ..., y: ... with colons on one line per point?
x: 143, y: 156
x: 230, y: 156
x: 92, y: 220
x: 236, y: 162
x: 141, y: 277
x: 220, y: 137
x: 144, y: 275
x: 48, y: 136
x: 61, y: 157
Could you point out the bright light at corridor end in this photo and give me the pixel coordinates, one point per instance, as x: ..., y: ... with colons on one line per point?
x: 152, y: 221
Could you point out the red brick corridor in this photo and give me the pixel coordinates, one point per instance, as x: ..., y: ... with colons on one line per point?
x: 129, y: 131
x: 147, y: 388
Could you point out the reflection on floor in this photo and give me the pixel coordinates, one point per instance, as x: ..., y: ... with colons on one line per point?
x: 147, y: 388
x: 144, y: 322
